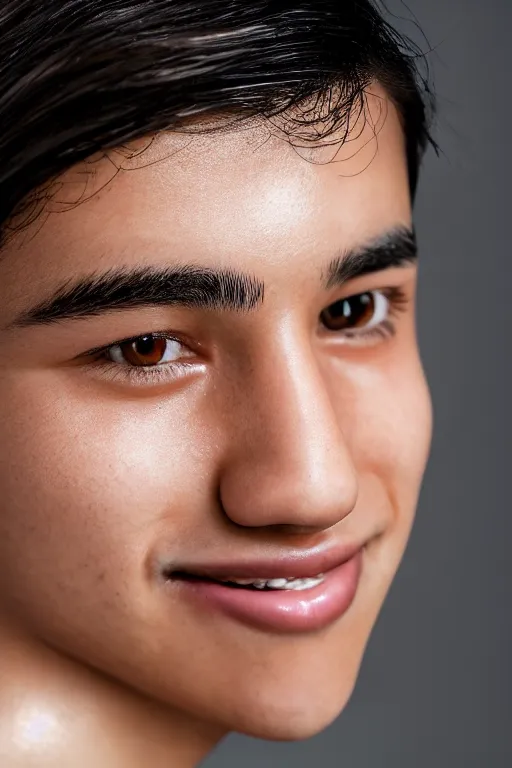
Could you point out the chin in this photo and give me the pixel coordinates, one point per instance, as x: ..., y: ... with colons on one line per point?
x: 290, y: 722
x: 291, y: 713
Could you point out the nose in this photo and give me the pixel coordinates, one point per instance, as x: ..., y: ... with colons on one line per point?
x: 288, y: 463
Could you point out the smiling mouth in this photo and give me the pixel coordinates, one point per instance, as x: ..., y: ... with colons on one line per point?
x: 281, y: 603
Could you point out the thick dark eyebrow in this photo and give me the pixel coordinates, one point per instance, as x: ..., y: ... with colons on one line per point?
x: 396, y: 248
x: 201, y: 288
x: 127, y: 288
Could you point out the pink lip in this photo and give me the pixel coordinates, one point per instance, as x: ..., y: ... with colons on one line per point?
x: 285, y: 611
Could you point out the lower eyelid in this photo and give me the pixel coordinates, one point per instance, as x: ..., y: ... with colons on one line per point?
x: 386, y: 329
x: 141, y: 375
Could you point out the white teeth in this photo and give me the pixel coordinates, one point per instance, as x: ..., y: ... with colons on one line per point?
x: 309, y: 583
x: 277, y: 583
x: 290, y: 583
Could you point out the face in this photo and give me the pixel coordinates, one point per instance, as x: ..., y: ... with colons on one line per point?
x: 283, y: 437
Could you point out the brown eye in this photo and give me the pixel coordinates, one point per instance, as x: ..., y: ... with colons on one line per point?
x: 353, y: 313
x: 146, y: 351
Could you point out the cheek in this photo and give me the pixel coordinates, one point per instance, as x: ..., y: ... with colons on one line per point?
x: 387, y: 421
x: 84, y: 485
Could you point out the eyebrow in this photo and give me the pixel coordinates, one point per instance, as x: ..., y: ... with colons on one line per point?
x: 396, y: 248
x: 198, y: 287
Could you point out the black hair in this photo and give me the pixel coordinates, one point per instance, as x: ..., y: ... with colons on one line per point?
x: 78, y: 77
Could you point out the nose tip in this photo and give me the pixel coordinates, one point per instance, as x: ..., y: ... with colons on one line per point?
x: 289, y: 464
x: 265, y: 490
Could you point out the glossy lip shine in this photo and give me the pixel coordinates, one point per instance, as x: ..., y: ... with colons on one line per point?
x: 282, y: 610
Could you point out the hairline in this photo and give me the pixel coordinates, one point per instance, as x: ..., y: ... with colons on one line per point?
x: 206, y: 124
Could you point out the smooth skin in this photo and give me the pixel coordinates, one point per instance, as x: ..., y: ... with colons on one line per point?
x: 281, y: 435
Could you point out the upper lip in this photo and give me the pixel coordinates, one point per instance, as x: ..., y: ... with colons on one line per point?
x: 291, y: 564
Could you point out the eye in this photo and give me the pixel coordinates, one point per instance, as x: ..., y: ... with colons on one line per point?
x: 359, y: 313
x: 153, y: 358
x: 145, y: 351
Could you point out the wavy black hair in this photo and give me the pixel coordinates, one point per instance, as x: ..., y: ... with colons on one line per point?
x: 78, y: 77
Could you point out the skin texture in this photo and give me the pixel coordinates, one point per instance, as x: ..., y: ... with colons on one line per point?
x: 307, y: 437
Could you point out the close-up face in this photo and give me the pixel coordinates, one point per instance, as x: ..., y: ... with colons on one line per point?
x: 234, y: 393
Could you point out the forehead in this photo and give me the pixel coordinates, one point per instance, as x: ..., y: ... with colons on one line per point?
x: 245, y: 194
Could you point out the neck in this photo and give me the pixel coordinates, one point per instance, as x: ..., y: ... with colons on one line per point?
x: 56, y: 711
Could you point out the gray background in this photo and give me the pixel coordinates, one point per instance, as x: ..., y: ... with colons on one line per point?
x: 434, y: 688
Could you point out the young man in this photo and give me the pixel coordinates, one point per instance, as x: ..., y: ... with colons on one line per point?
x: 215, y: 420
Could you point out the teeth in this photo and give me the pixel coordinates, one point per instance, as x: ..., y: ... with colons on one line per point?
x: 301, y: 584
x: 277, y: 583
x: 290, y: 583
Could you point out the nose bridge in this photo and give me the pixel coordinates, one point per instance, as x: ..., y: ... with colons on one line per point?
x: 289, y: 462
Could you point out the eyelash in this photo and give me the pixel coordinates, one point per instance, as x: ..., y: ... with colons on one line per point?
x: 165, y: 372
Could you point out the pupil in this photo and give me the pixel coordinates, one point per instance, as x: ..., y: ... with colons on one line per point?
x: 145, y: 345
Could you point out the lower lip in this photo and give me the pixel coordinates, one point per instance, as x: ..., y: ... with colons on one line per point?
x: 283, y: 610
